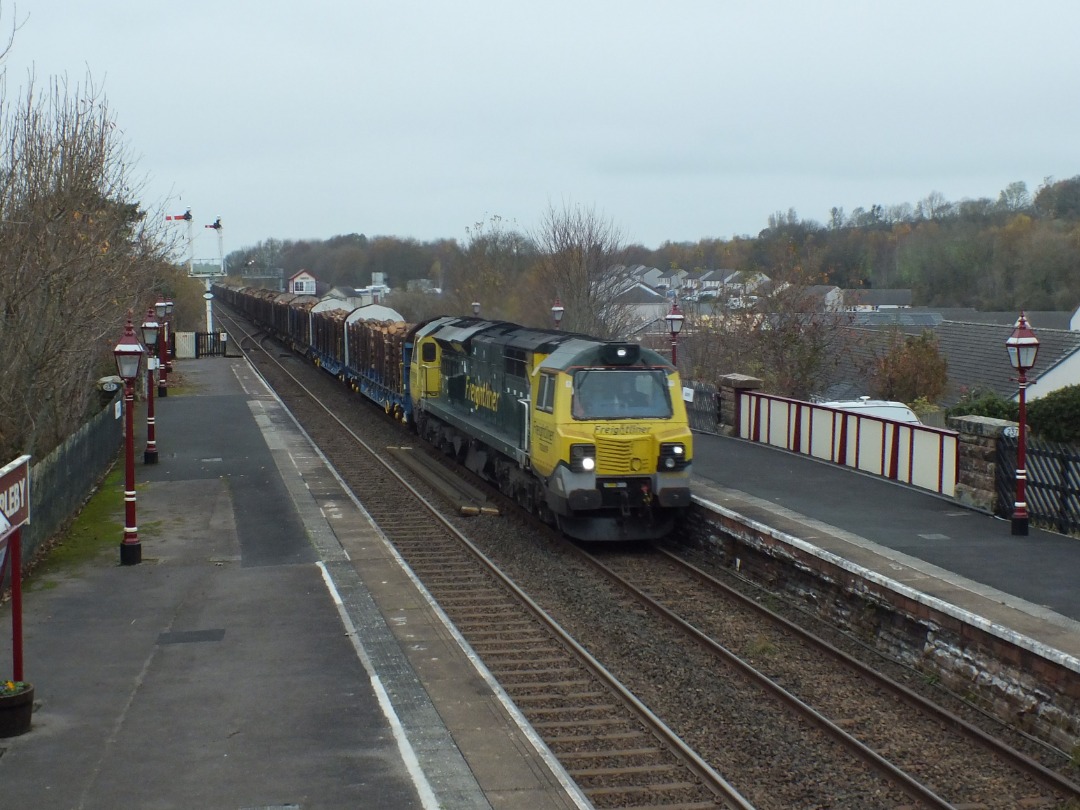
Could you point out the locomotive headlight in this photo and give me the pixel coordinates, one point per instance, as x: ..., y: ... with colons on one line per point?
x: 582, y: 457
x: 672, y: 457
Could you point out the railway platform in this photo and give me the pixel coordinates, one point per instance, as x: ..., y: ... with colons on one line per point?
x: 268, y: 652
x: 968, y: 563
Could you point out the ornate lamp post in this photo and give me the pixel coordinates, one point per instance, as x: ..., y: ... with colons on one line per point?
x: 150, y: 329
x: 476, y: 309
x: 1023, y: 346
x: 161, y: 309
x: 170, y: 349
x: 557, y: 312
x: 128, y: 353
x: 674, y: 321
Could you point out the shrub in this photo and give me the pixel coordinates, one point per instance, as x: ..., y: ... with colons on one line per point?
x: 923, y: 407
x: 1056, y: 417
x: 983, y: 402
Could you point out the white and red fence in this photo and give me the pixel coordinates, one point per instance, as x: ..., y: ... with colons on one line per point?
x: 922, y: 456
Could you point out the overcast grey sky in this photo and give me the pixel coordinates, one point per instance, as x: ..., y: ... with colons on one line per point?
x: 676, y: 120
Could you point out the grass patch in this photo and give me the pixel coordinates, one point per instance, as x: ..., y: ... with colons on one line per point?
x: 98, y: 528
x: 179, y: 384
x: 760, y: 647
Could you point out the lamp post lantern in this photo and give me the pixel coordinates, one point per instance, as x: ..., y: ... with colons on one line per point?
x: 128, y: 354
x: 150, y: 329
x: 557, y: 312
x: 476, y: 309
x: 162, y: 309
x: 1023, y: 347
x: 675, y: 323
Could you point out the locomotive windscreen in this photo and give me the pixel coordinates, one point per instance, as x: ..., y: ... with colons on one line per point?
x: 621, y: 393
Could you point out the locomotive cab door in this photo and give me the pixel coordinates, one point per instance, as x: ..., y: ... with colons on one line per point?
x: 428, y: 370
x: 542, y: 424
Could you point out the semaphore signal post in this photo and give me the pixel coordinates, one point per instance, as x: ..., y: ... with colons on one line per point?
x: 205, y: 270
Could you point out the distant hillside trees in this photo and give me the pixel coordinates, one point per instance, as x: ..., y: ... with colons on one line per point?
x: 1008, y: 251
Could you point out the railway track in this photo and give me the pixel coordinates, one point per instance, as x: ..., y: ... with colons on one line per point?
x: 779, y: 759
x: 619, y: 753
x: 895, y: 726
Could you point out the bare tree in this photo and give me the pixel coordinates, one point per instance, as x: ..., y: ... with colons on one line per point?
x: 580, y: 263
x: 1015, y: 197
x: 934, y: 206
x: 76, y: 254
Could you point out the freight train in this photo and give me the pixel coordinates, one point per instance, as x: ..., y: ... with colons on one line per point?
x: 591, y: 435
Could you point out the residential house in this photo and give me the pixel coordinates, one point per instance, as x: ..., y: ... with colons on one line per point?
x: 830, y: 298
x: 691, y: 285
x: 977, y: 358
x: 646, y: 306
x: 671, y: 280
x: 712, y: 282
x: 871, y: 300
x: 646, y: 275
x: 974, y: 352
x: 742, y: 283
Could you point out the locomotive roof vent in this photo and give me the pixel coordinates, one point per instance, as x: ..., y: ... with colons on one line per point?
x: 620, y: 354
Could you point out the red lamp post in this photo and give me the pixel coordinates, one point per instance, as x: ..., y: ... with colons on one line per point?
x: 161, y: 309
x: 557, y: 312
x: 1023, y: 347
x: 675, y: 323
x: 150, y: 329
x: 128, y: 353
x: 170, y: 349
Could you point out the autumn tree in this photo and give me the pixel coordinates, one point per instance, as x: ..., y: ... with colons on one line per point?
x: 490, y: 271
x: 911, y: 368
x: 1059, y: 199
x: 77, y: 253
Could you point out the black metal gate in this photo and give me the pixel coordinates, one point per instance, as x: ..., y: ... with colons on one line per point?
x: 210, y: 344
x: 704, y: 411
x: 1052, y: 490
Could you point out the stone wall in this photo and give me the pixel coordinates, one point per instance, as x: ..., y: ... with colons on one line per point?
x: 976, y: 485
x: 729, y: 386
x: 1035, y: 693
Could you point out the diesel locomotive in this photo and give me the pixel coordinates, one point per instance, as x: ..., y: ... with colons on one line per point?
x: 591, y: 435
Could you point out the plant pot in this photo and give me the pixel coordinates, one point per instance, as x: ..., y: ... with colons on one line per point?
x: 15, y: 713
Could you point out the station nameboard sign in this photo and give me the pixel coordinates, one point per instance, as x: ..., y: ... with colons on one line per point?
x: 14, y: 500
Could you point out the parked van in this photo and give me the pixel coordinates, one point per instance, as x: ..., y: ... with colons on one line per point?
x: 882, y: 409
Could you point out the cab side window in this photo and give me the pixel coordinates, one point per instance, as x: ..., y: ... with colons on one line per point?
x: 545, y: 395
